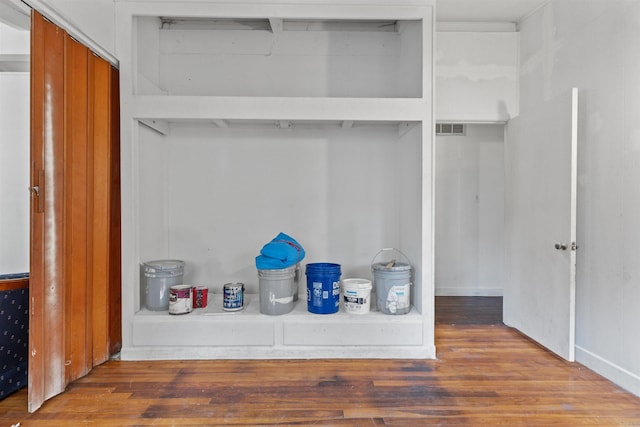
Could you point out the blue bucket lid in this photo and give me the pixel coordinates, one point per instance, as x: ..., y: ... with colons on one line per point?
x: 320, y: 267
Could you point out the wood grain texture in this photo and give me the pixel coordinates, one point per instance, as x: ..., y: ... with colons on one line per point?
x: 77, y: 211
x: 485, y: 375
x: 47, y: 267
x: 12, y: 284
x: 115, y: 253
x: 75, y: 246
x: 100, y: 204
x: 461, y: 310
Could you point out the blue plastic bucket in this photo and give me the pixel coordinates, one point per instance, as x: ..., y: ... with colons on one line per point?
x: 323, y: 287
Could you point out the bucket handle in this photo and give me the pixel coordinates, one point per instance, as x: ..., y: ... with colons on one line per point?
x: 391, y: 249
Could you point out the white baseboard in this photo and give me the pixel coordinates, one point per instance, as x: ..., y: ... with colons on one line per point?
x: 467, y: 292
x: 614, y: 373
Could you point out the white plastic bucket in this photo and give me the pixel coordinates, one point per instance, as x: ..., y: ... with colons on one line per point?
x: 356, y: 295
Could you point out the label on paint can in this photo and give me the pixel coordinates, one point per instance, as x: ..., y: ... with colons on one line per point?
x: 180, y: 301
x: 233, y: 296
x: 398, y: 298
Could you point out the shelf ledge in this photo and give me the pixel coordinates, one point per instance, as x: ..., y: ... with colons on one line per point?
x: 277, y: 108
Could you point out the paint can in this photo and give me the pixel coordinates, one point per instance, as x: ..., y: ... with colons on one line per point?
x: 200, y: 296
x: 393, y: 283
x: 180, y: 301
x: 233, y: 296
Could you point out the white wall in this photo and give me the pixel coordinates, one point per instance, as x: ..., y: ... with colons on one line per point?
x: 476, y: 76
x: 470, y: 212
x: 14, y: 41
x: 14, y: 157
x: 593, y: 46
x: 213, y: 197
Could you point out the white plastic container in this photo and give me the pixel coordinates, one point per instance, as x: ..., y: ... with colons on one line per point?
x: 356, y: 295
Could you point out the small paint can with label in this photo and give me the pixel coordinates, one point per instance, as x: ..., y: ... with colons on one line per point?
x: 200, y: 296
x: 233, y: 296
x: 180, y: 300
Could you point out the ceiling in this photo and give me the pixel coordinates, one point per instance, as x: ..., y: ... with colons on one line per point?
x: 485, y: 10
x: 446, y: 11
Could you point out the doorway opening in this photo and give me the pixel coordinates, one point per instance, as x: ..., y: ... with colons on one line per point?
x: 469, y: 223
x: 14, y: 194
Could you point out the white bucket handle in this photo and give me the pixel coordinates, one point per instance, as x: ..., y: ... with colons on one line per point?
x: 390, y: 249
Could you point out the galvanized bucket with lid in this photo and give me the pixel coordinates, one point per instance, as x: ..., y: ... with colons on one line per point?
x: 392, y: 280
x: 159, y: 276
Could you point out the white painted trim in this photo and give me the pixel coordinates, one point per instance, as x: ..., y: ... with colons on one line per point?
x: 283, y: 352
x: 71, y: 28
x: 468, y: 292
x: 276, y: 108
x: 483, y: 27
x: 473, y: 118
x: 616, y: 374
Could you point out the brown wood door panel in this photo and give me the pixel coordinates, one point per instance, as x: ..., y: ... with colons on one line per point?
x: 47, y: 275
x: 75, y: 224
x: 100, y: 113
x: 115, y: 275
x: 77, y: 209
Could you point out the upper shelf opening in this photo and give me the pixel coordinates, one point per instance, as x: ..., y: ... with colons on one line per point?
x: 277, y: 24
x: 274, y: 57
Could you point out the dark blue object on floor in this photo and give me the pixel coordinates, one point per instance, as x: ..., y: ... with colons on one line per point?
x: 14, y: 337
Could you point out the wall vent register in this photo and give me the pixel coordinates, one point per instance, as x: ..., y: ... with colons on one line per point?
x: 457, y: 129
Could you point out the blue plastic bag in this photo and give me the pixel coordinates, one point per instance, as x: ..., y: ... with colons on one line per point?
x: 281, y: 252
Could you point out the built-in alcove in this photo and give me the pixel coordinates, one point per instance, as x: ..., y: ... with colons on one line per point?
x: 313, y: 120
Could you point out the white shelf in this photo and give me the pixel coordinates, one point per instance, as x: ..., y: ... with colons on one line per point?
x: 369, y: 335
x: 277, y: 108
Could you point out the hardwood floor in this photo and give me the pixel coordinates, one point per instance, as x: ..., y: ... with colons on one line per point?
x: 469, y: 310
x: 485, y: 375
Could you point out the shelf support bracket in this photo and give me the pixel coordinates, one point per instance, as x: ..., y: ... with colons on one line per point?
x: 160, y: 126
x: 283, y: 124
x: 220, y: 123
x: 405, y: 127
x: 347, y: 124
x: 277, y: 25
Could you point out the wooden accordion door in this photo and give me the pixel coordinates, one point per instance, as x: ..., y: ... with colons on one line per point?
x: 75, y: 253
